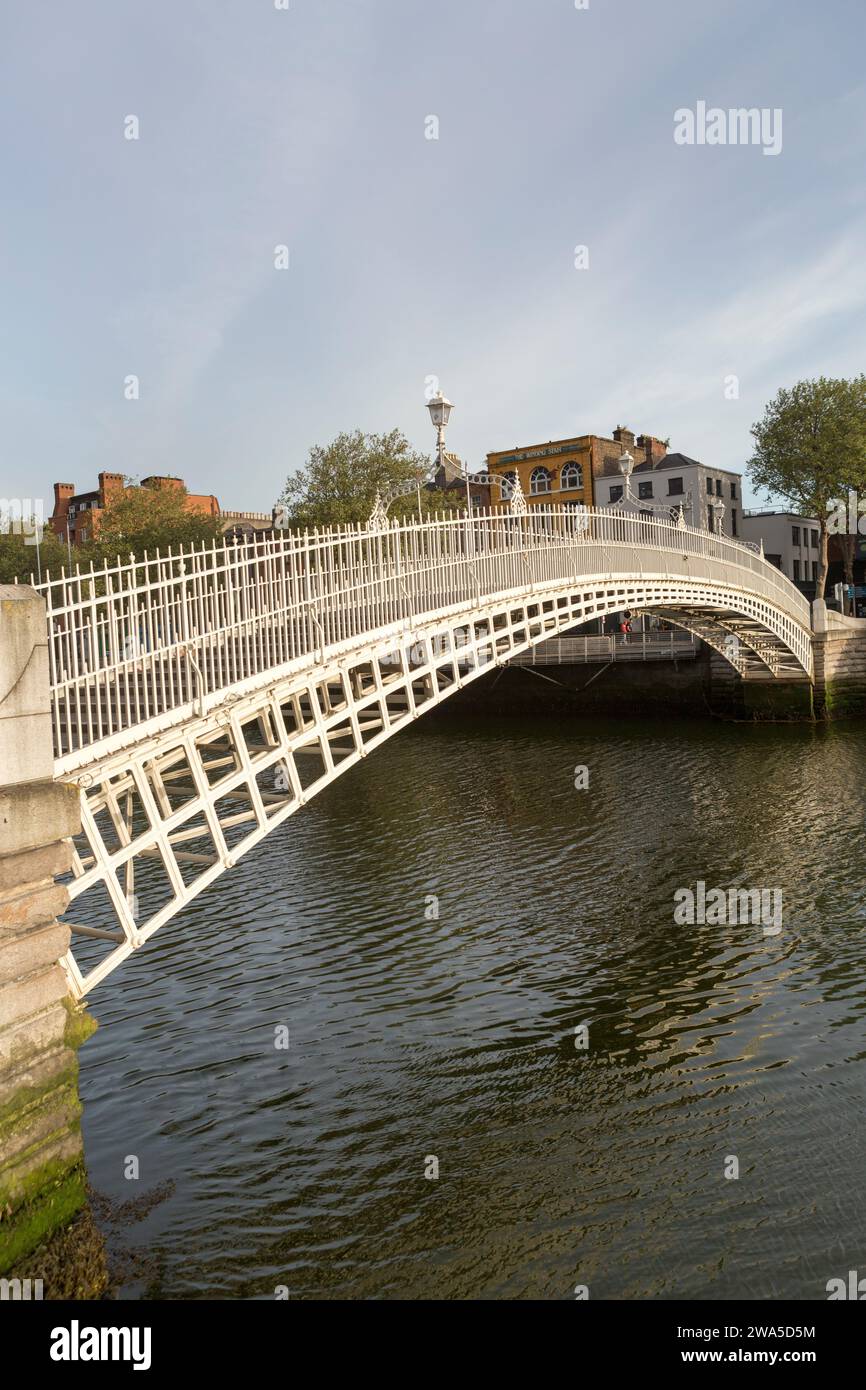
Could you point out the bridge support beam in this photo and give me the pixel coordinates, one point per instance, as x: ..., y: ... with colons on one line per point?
x: 42, y: 1182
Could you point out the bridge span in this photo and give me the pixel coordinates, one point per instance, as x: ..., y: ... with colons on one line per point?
x: 200, y: 699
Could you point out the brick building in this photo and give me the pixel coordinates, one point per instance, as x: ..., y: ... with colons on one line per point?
x: 77, y: 514
x: 562, y: 471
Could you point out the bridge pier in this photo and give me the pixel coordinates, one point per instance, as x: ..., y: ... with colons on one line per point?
x: 839, y: 645
x: 773, y: 699
x: 42, y: 1180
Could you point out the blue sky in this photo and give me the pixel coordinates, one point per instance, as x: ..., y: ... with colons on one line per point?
x: 409, y: 257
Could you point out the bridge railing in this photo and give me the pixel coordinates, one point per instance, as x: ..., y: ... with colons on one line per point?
x: 131, y: 641
x: 610, y: 646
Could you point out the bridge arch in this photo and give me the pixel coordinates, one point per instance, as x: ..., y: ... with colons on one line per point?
x: 201, y: 699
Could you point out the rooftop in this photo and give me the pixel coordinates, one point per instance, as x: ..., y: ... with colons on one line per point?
x: 770, y: 511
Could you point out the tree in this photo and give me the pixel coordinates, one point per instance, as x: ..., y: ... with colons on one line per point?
x: 810, y: 448
x: 150, y: 518
x: 338, y: 482
x: 20, y: 558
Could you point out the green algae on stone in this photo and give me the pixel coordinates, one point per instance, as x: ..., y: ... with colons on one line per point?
x: 59, y: 1192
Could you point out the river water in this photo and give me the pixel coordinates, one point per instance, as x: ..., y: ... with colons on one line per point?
x: 413, y: 1037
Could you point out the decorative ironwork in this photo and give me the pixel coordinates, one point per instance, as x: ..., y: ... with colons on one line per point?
x: 510, y: 488
x: 201, y: 698
x: 517, y: 501
x: 379, y: 515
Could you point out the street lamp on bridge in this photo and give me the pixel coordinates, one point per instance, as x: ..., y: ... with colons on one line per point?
x: 626, y: 468
x: 440, y: 412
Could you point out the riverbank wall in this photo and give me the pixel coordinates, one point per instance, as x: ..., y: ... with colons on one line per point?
x: 42, y: 1178
x: 839, y: 648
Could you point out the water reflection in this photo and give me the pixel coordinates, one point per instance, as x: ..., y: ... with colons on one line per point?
x: 455, y: 1036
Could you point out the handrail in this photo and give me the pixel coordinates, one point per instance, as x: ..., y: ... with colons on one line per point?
x: 132, y: 640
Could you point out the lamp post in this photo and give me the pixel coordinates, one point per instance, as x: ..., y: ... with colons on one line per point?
x: 440, y: 412
x: 626, y: 468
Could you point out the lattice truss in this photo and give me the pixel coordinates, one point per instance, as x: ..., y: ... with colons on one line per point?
x: 163, y: 819
x: 751, y: 650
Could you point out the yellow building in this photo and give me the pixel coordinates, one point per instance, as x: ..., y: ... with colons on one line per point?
x: 560, y: 473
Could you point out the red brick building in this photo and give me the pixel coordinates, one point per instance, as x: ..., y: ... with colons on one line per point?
x: 78, y: 513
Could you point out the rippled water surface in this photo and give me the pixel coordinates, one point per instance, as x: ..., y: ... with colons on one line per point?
x: 455, y: 1037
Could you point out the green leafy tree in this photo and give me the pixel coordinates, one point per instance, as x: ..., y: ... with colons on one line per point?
x: 150, y: 518
x: 20, y: 558
x: 338, y: 482
x: 810, y: 450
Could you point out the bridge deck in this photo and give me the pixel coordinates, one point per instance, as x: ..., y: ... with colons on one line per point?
x: 200, y: 699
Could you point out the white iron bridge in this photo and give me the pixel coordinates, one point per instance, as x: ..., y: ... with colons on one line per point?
x: 200, y: 699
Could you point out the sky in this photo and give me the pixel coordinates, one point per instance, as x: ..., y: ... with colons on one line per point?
x: 414, y: 260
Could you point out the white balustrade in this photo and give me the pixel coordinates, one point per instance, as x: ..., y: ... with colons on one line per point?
x: 131, y: 642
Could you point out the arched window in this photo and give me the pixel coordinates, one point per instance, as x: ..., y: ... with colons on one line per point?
x: 572, y: 477
x: 510, y: 478
x: 539, y: 480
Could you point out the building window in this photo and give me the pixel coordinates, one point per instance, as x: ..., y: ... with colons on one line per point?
x: 733, y: 519
x: 814, y: 540
x: 675, y: 487
x: 644, y: 489
x: 733, y: 492
x: 572, y: 477
x: 711, y: 519
x: 718, y: 487
x: 796, y: 569
x: 616, y: 494
x: 709, y: 487
x: 814, y: 571
x: 539, y: 481
x: 795, y: 534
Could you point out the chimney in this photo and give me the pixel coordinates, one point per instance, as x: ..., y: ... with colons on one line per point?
x: 654, y: 449
x: 163, y: 482
x: 63, y: 494
x: 624, y: 437
x: 108, y: 484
